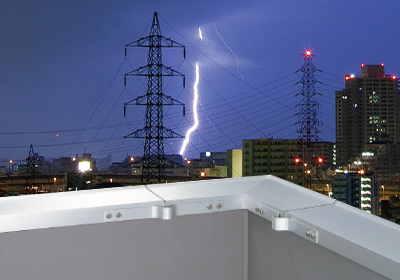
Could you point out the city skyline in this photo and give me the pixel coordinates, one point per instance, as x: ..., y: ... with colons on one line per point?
x: 62, y: 68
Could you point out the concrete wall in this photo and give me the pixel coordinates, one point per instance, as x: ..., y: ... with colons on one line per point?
x: 283, y: 255
x: 233, y: 245
x: 209, y: 246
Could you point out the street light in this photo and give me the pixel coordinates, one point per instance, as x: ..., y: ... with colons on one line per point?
x: 11, y: 166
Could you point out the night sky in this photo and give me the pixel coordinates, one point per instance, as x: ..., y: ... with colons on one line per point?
x: 62, y: 69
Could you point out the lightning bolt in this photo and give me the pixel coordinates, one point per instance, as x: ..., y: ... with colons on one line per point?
x: 195, y: 116
x: 229, y: 48
x: 200, y: 34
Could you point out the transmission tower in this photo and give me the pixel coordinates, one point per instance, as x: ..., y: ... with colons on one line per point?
x: 31, y: 166
x: 154, y: 132
x: 308, y: 122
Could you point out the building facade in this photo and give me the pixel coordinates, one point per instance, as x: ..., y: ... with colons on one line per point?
x: 383, y: 159
x: 357, y: 189
x: 234, y: 163
x: 367, y: 112
x: 273, y: 156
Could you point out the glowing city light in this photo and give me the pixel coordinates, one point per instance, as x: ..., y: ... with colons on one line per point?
x: 367, y: 154
x: 84, y: 166
x: 308, y: 52
x: 196, y: 119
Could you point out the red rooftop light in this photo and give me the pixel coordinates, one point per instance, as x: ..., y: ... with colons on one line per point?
x: 362, y: 64
x: 308, y: 52
x: 394, y: 77
x: 382, y: 64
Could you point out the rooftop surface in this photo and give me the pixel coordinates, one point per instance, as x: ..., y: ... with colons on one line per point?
x: 365, y: 239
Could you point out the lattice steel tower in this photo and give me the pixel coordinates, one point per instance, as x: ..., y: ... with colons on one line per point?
x: 32, y: 163
x: 308, y: 115
x: 154, y: 132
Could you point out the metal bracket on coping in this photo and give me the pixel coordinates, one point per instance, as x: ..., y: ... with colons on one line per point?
x: 290, y: 224
x: 265, y: 211
x: 280, y: 223
x: 160, y: 212
x: 166, y: 212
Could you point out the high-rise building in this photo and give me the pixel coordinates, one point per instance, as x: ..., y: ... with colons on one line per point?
x: 367, y: 112
x: 357, y: 189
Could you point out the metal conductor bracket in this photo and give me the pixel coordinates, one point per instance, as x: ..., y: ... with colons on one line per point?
x: 298, y: 228
x: 166, y: 212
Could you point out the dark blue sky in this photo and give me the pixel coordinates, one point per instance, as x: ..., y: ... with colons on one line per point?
x: 62, y: 66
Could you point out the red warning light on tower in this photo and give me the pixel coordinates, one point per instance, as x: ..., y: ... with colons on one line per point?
x: 297, y: 160
x: 308, y: 52
x: 320, y: 160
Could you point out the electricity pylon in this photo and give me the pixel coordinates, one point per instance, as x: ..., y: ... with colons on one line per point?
x: 308, y: 117
x: 308, y: 120
x: 154, y: 132
x: 31, y: 170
